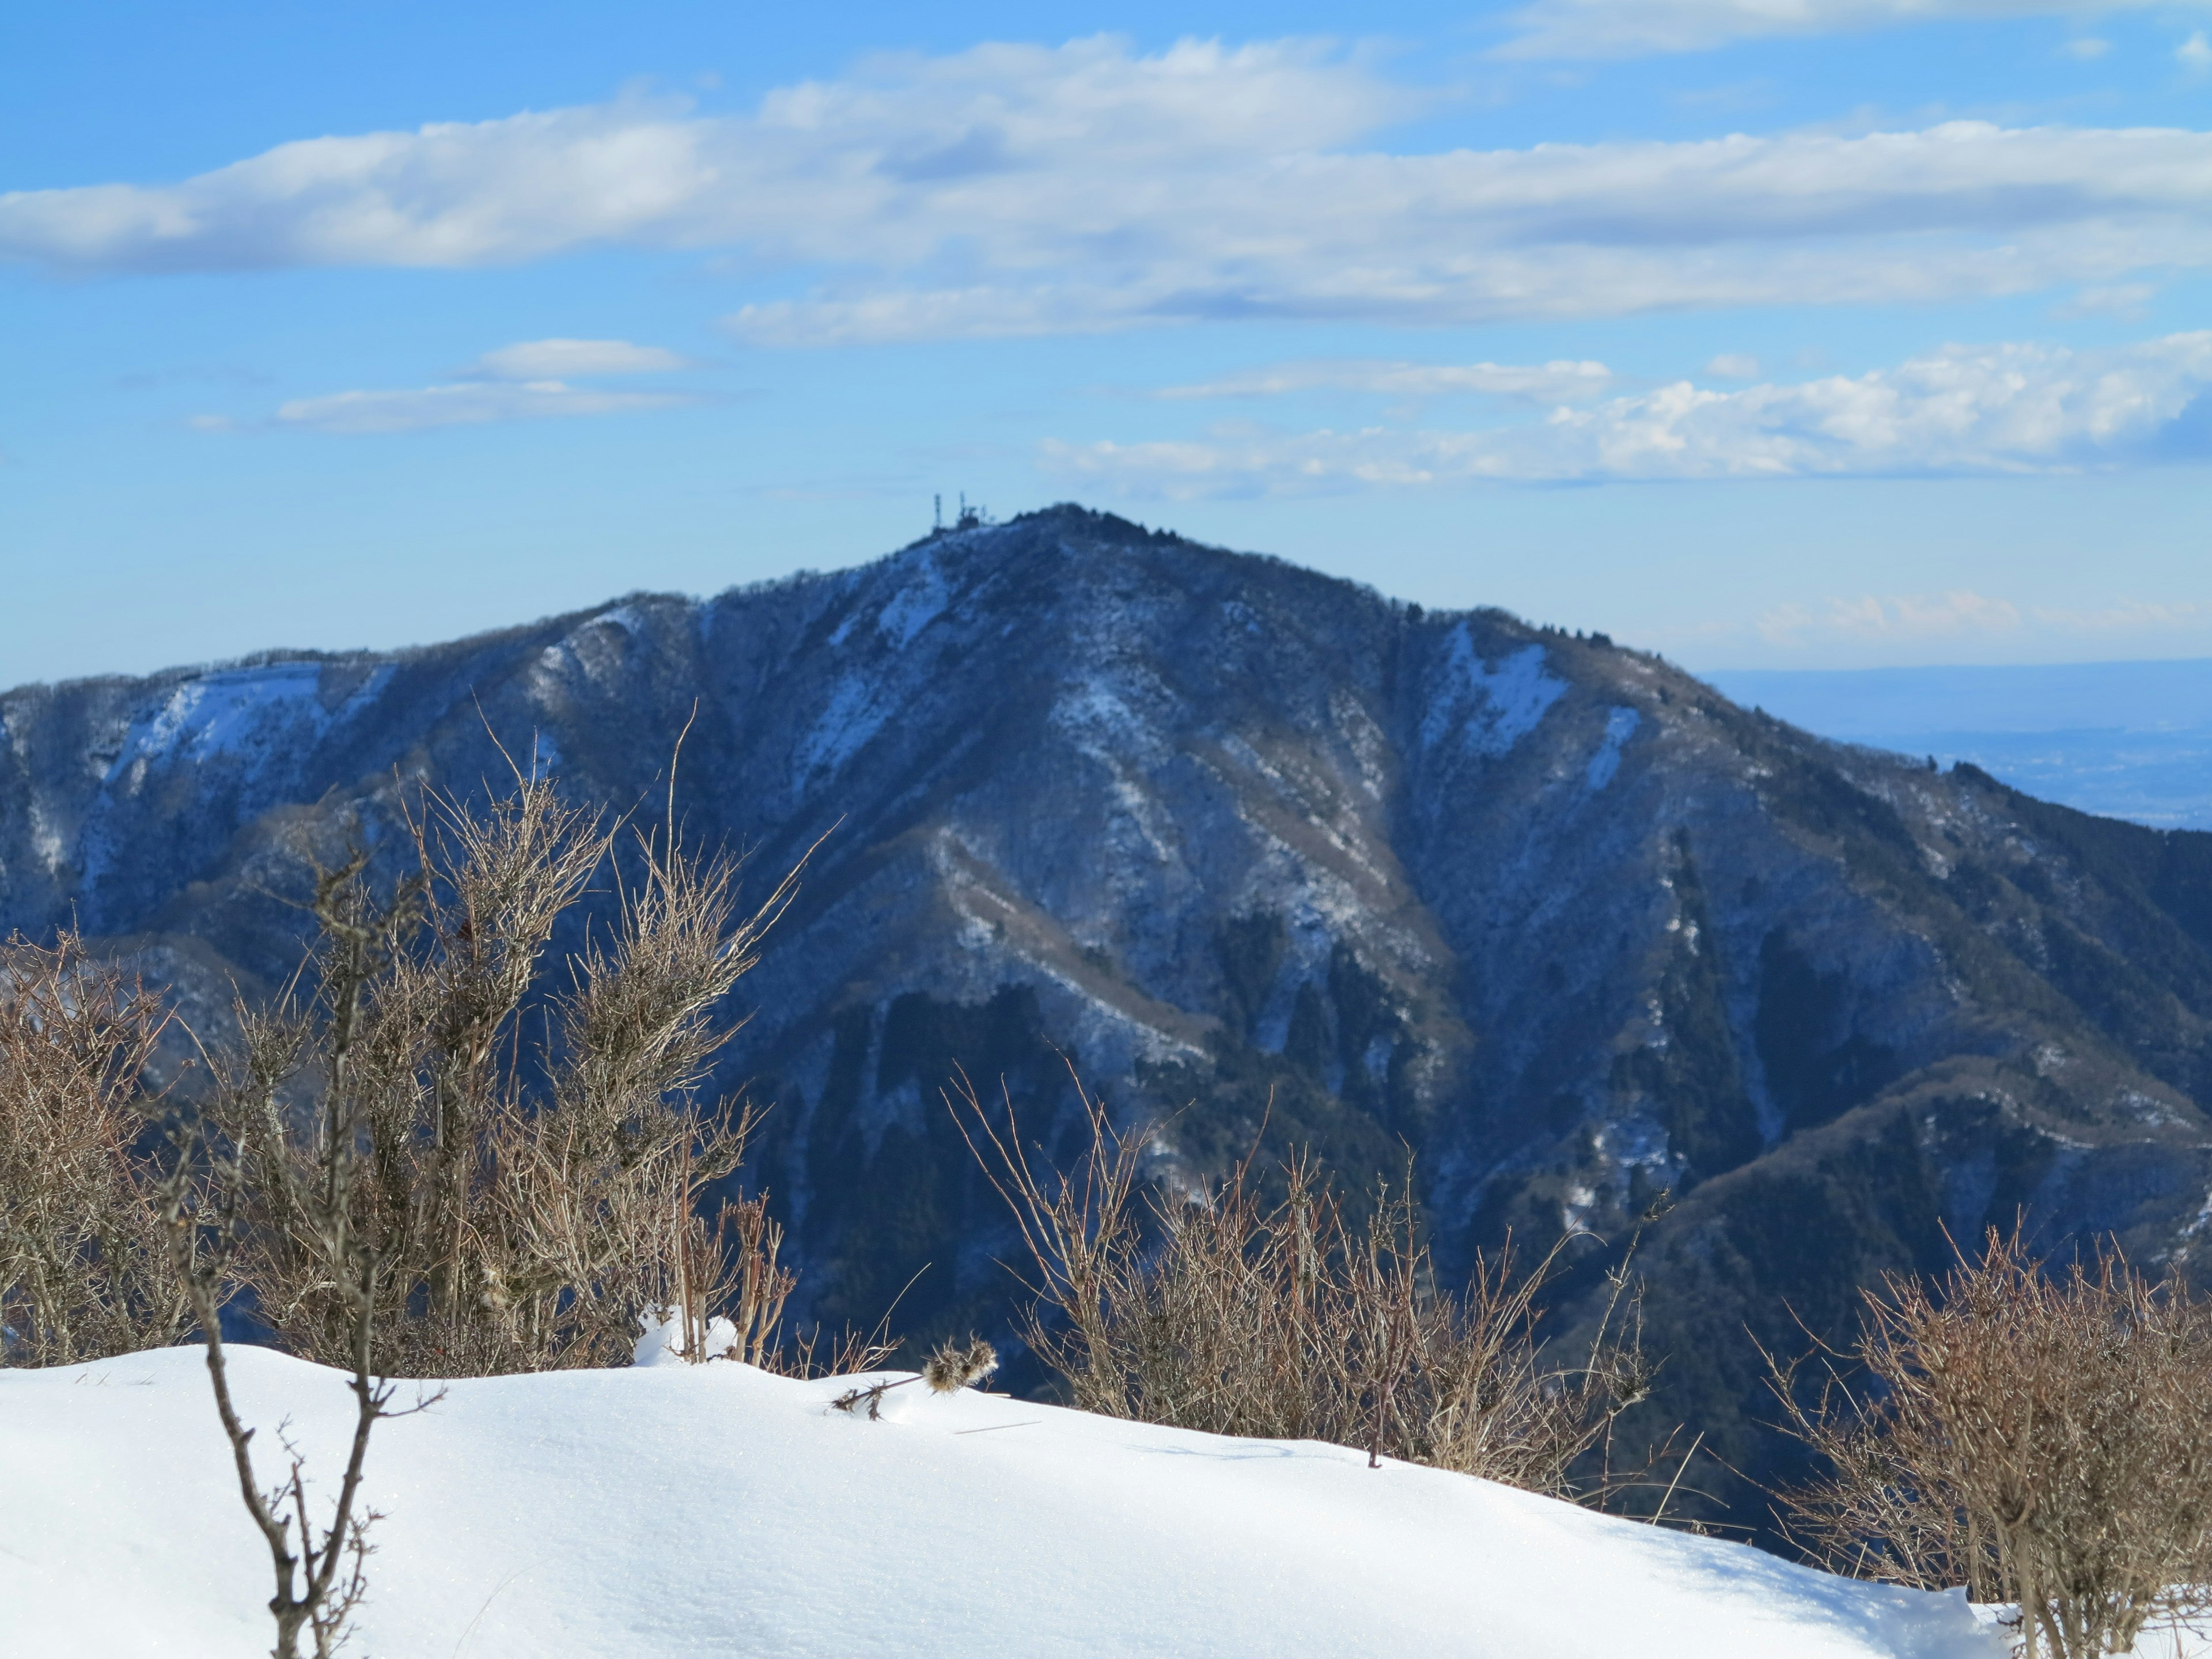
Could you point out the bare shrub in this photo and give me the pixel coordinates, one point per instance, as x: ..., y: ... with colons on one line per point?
x: 533, y: 1154
x: 406, y: 1197
x: 814, y: 1353
x: 2045, y: 1440
x: 1222, y: 1311
x: 310, y: 1182
x: 84, y: 1270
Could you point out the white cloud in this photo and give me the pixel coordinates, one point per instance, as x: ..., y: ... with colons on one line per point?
x: 1019, y: 190
x: 2003, y: 408
x: 468, y: 403
x: 551, y: 360
x: 873, y: 167
x: 2088, y: 49
x: 1890, y: 617
x: 1917, y: 614
x: 1627, y: 28
x: 1544, y: 383
x: 515, y: 383
x: 1734, y: 366
x: 2195, y: 54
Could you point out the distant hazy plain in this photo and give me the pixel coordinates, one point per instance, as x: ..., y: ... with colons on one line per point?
x: 2127, y: 739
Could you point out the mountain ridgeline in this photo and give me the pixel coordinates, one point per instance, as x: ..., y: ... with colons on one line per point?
x: 1240, y: 843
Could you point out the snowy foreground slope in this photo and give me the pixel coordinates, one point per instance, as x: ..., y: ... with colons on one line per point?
x: 674, y: 1510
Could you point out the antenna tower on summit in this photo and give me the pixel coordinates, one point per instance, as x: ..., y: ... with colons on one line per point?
x: 968, y: 518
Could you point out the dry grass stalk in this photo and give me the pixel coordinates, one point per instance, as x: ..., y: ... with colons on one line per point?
x: 84, y: 1273
x: 953, y: 1366
x: 1223, y: 1312
x: 2045, y: 1440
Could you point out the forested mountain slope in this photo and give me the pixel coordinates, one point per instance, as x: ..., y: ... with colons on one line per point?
x: 1548, y: 914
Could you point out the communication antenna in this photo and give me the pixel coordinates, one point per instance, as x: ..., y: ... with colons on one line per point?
x: 937, y: 526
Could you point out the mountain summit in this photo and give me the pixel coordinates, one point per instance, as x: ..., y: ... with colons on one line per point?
x: 1247, y: 844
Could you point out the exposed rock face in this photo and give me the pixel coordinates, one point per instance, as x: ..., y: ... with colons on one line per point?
x: 1551, y: 913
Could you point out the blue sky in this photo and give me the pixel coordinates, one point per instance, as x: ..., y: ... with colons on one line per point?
x: 1772, y: 333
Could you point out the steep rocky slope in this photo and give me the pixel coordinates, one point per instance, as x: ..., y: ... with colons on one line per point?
x: 1548, y: 914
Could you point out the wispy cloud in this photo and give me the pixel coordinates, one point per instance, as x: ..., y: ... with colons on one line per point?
x: 2002, y: 408
x: 549, y: 360
x: 518, y: 382
x: 1961, y: 612
x: 1021, y: 191
x: 1542, y: 383
x: 1873, y: 616
x: 466, y: 403
x: 1630, y: 28
x: 2122, y: 299
x: 1912, y: 616
x: 2195, y: 54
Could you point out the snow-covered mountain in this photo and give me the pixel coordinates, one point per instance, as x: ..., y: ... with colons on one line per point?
x: 1242, y: 842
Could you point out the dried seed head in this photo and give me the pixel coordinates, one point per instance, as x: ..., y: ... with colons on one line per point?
x: 953, y: 1367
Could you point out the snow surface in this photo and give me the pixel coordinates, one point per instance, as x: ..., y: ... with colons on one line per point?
x: 683, y: 1511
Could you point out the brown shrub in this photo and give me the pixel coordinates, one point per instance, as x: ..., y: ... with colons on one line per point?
x: 405, y: 1197
x: 83, y: 1272
x: 530, y: 1160
x: 1219, y: 1311
x: 2045, y: 1440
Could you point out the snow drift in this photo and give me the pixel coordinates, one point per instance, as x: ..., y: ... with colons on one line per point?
x: 674, y: 1509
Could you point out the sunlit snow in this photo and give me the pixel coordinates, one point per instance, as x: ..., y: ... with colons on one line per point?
x: 226, y: 711
x: 670, y: 1511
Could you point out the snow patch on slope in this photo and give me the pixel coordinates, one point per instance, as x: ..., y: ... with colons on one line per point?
x: 1096, y: 715
x: 847, y: 722
x: 916, y: 605
x: 231, y: 711
x: 624, y: 616
x: 46, y: 840
x: 1620, y: 725
x: 1492, y: 707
